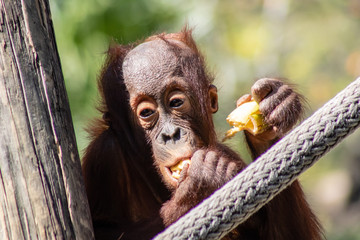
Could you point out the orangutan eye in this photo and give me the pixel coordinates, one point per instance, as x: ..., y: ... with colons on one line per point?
x: 175, y: 103
x: 146, y: 113
x: 179, y: 102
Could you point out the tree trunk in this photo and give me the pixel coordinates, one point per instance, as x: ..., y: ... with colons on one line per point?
x: 42, y: 194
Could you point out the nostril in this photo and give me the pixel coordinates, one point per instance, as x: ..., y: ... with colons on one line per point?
x: 176, y: 135
x: 165, y: 138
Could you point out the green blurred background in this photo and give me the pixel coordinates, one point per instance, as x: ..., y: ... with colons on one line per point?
x: 316, y: 44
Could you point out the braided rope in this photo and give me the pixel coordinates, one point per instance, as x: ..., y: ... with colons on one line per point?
x: 272, y: 172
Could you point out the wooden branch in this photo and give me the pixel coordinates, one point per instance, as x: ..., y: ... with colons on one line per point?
x: 42, y: 194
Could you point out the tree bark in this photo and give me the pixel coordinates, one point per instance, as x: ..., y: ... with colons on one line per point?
x: 42, y: 194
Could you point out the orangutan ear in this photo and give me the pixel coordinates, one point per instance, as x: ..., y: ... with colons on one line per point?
x: 213, y: 98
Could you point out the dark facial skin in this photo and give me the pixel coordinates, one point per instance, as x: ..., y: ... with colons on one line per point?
x: 164, y: 104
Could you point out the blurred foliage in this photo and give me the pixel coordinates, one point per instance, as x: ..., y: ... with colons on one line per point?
x: 314, y: 43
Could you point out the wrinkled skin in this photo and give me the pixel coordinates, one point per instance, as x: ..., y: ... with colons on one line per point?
x: 172, y: 99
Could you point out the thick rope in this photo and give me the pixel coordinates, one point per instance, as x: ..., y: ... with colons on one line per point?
x: 272, y: 172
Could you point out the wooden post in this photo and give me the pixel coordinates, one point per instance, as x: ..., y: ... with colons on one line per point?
x: 42, y: 194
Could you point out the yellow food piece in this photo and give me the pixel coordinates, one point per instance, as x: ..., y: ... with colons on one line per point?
x: 246, y: 117
x: 176, y: 169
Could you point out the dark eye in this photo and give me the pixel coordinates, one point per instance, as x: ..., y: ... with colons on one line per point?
x: 146, y: 113
x: 175, y: 103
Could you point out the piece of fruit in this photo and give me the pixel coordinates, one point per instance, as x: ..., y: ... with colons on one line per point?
x: 246, y: 117
x: 176, y: 169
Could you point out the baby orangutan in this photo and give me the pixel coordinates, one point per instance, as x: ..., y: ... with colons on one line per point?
x: 154, y: 155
